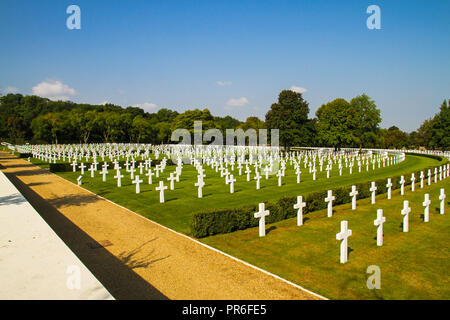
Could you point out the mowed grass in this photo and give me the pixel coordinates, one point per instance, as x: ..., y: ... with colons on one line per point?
x: 414, y: 265
x: 182, y: 202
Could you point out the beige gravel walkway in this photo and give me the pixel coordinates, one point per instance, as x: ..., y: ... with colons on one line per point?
x: 139, y: 259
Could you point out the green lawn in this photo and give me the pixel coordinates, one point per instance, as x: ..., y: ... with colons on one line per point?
x: 414, y: 265
x: 182, y: 202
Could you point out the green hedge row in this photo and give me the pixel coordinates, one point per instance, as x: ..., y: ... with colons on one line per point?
x: 67, y: 167
x: 219, y: 221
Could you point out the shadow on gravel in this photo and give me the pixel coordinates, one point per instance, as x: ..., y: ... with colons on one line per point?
x: 118, y: 278
x: 131, y: 260
x: 73, y: 200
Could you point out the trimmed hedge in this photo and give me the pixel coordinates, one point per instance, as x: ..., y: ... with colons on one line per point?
x: 217, y: 221
x: 67, y: 167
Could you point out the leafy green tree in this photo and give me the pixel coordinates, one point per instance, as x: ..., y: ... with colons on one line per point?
x: 394, y: 138
x: 337, y: 124
x: 368, y: 120
x: 288, y: 115
x: 441, y: 127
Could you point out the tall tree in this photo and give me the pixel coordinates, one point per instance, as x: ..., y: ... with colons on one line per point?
x: 288, y: 115
x: 337, y: 124
x: 368, y: 120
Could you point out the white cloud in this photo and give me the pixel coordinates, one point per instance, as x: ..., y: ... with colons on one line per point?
x: 147, y: 106
x: 298, y: 89
x: 224, y: 83
x: 239, y: 102
x: 54, y: 90
x: 7, y: 90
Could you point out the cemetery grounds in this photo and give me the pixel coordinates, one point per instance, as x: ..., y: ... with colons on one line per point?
x: 413, y: 265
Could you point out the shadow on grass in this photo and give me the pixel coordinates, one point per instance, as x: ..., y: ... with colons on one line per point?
x: 119, y: 279
x: 270, y: 229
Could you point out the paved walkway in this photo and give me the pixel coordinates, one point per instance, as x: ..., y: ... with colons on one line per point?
x: 34, y: 262
x: 133, y: 257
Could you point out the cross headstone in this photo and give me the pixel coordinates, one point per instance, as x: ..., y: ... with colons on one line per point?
x: 405, y: 212
x: 353, y: 194
x: 343, y: 237
x: 200, y: 184
x: 379, y: 221
x: 373, y: 189
x: 172, y: 181
x: 389, y: 188
x: 330, y: 198
x: 79, y: 180
x: 161, y: 189
x: 426, y: 212
x: 104, y: 173
x: 299, y: 206
x: 402, y: 185
x: 261, y: 214
x: 119, y: 177
x: 257, y: 178
x: 442, y: 197
x: 421, y: 179
x: 413, y: 182
x: 137, y: 182
x: 231, y: 180
x: 82, y: 166
x: 279, y: 175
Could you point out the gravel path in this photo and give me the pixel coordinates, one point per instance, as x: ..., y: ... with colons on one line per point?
x: 133, y: 257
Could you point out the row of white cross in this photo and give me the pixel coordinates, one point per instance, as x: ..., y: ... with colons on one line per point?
x: 345, y: 232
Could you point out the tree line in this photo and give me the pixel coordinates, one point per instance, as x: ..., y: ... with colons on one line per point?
x: 338, y: 123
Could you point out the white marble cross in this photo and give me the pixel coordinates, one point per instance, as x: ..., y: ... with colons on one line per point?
x: 279, y: 175
x: 132, y: 171
x: 330, y: 200
x: 299, y: 206
x: 353, y: 194
x: 435, y: 175
x: 119, y: 177
x: 429, y: 176
x: 79, y: 180
x: 137, y: 182
x: 172, y: 181
x: 257, y: 178
x: 82, y: 166
x: 200, y: 184
x: 104, y: 173
x: 248, y: 171
x: 402, y: 185
x: 389, y: 188
x: 92, y: 170
x: 379, y: 221
x: 314, y: 170
x: 442, y: 197
x: 231, y: 180
x: 413, y: 181
x: 74, y: 165
x: 405, y: 212
x: 261, y: 214
x: 343, y: 237
x: 426, y: 212
x: 421, y: 179
x: 373, y: 189
x: 298, y: 173
x: 149, y: 174
x: 161, y: 189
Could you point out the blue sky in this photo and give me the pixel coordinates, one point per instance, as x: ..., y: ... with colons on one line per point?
x: 232, y: 57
